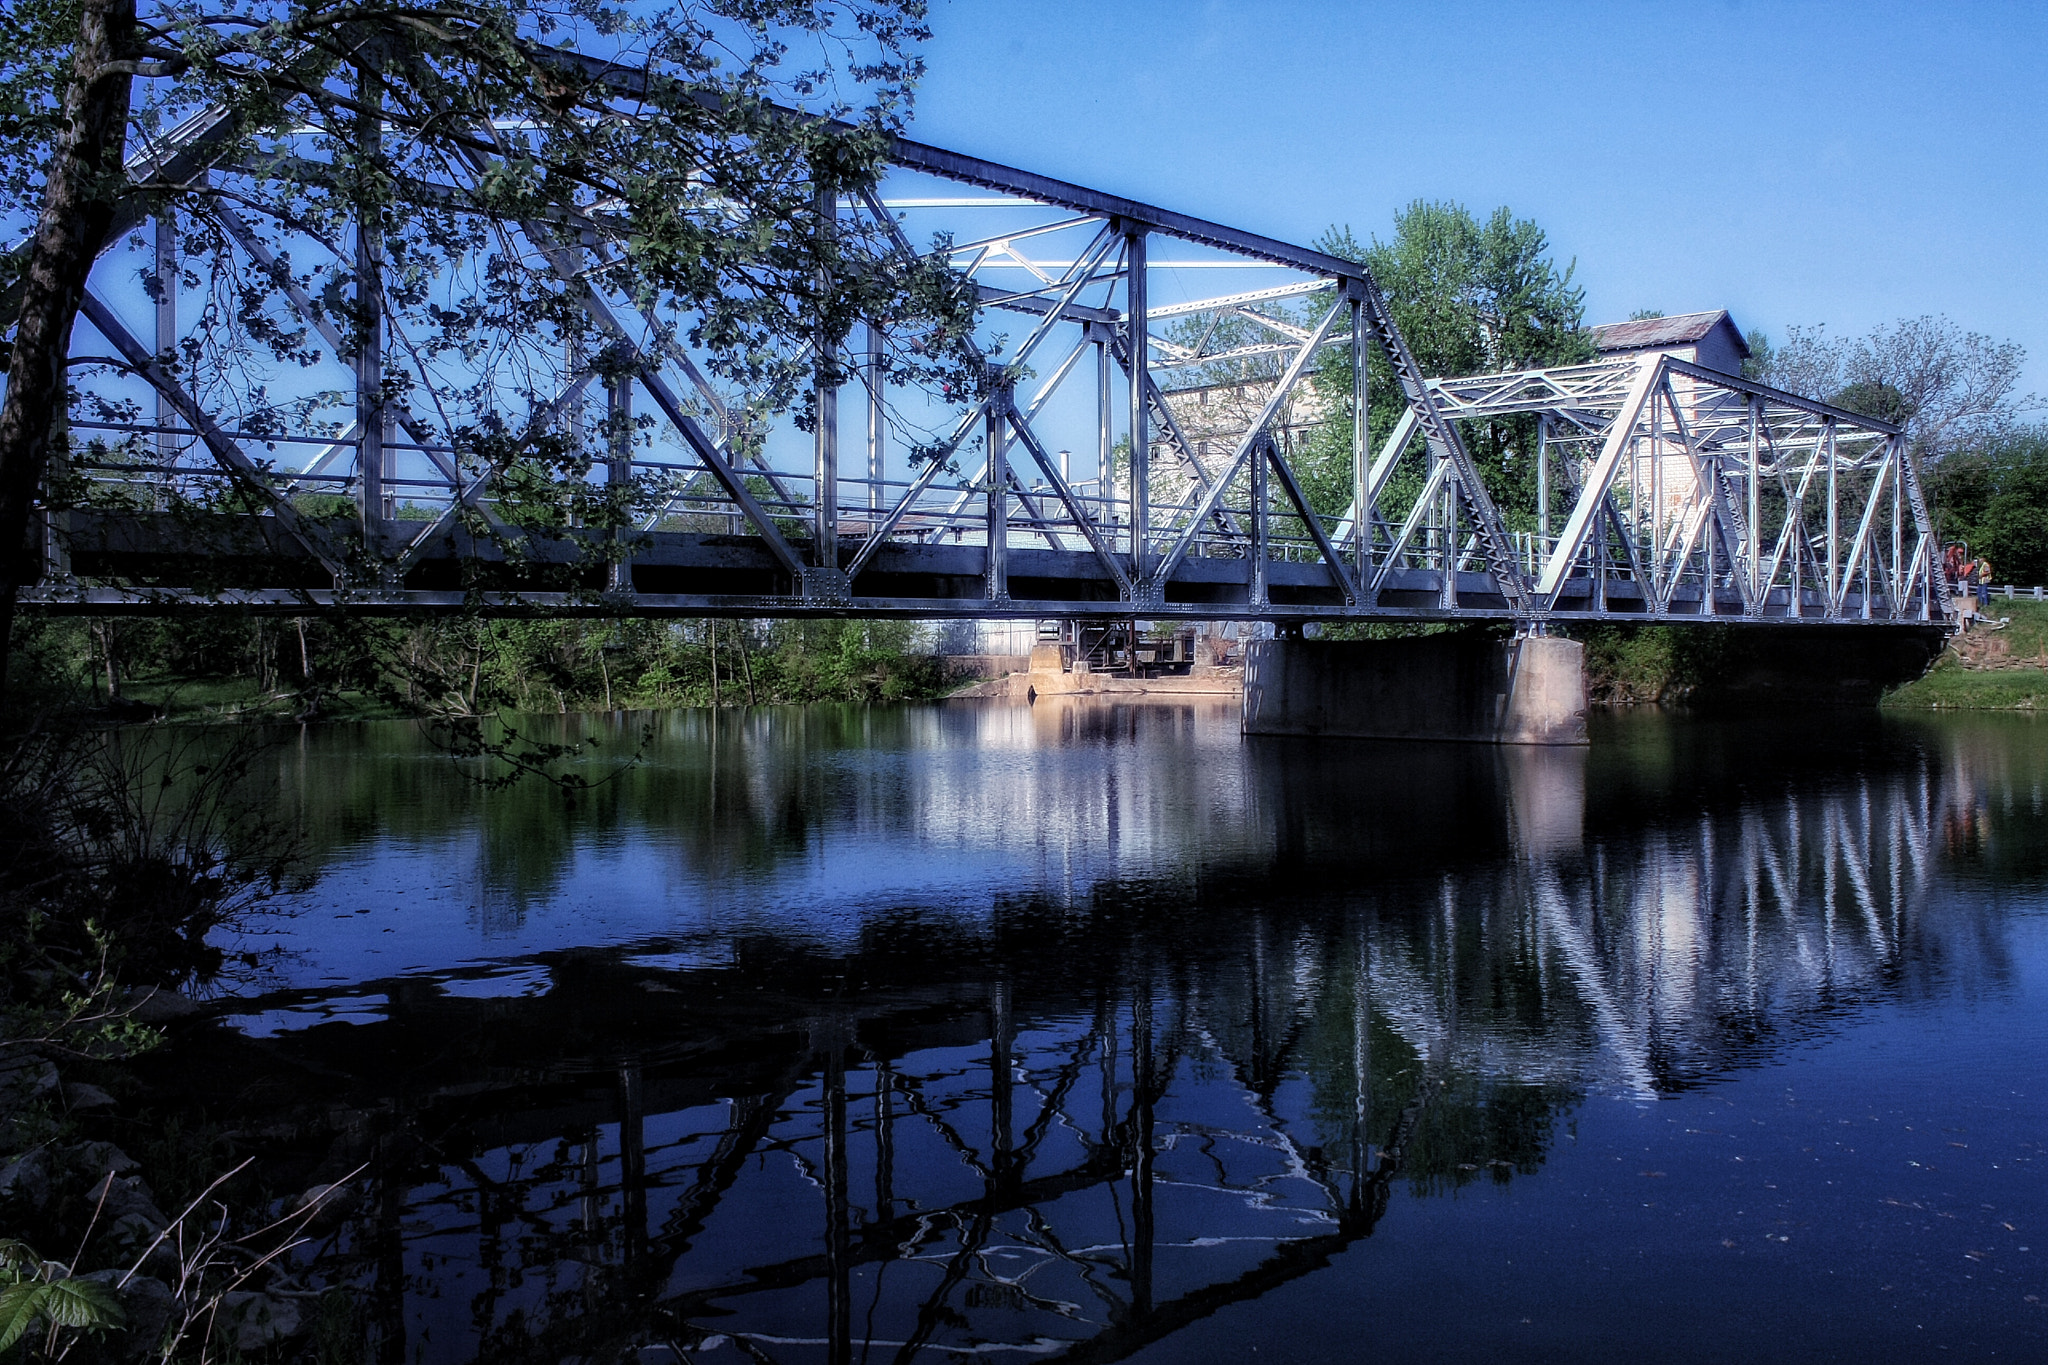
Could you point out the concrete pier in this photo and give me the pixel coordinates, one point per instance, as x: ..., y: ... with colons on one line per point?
x: 1463, y: 686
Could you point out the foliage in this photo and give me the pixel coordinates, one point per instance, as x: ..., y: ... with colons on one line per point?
x: 1630, y: 664
x: 461, y: 184
x: 467, y: 668
x: 669, y: 154
x: 234, y: 666
x: 1469, y: 296
x: 46, y: 1292
x: 1953, y: 390
x: 1949, y: 686
x: 121, y: 852
x: 1999, y: 664
x: 1995, y: 498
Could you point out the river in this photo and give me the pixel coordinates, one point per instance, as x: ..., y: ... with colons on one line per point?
x: 1091, y: 1032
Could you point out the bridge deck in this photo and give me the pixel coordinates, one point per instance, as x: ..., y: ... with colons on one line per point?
x: 149, y: 563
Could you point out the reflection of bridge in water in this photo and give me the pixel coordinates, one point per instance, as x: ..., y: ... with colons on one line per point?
x: 1097, y: 1117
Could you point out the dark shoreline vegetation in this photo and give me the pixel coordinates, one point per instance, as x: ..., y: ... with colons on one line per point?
x: 1989, y: 667
x: 123, y: 847
x: 334, y: 667
x: 121, y: 851
x: 241, y: 669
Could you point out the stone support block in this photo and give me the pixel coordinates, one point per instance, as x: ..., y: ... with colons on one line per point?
x: 1465, y: 686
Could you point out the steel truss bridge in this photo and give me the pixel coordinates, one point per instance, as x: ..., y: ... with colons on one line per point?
x: 1667, y: 490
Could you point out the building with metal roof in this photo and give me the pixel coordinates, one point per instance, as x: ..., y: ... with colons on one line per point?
x: 1711, y: 339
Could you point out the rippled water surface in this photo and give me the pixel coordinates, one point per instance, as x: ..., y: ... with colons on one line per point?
x: 978, y: 1032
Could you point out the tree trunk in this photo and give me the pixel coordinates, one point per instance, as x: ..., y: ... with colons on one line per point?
x: 104, y: 631
x: 745, y: 663
x: 85, y: 179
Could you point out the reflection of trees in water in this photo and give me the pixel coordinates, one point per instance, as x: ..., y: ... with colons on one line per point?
x: 1102, y: 1116
x: 735, y: 797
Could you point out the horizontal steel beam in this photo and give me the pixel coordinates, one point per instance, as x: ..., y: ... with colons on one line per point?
x: 973, y: 170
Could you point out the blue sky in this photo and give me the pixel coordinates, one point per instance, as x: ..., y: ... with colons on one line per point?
x: 1794, y: 163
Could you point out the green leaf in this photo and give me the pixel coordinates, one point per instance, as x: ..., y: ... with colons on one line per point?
x: 20, y: 1306
x: 83, y: 1303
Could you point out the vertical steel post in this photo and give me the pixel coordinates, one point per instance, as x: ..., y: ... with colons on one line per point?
x: 1605, y: 528
x: 1261, y: 526
x: 1105, y: 436
x: 574, y: 361
x: 1833, y: 587
x: 877, y: 418
x: 1754, y: 548
x: 1542, y: 487
x: 1895, y: 460
x: 1361, y: 446
x: 1868, y: 554
x: 618, y: 465
x: 1141, y: 440
x: 825, y: 483
x: 1710, y: 533
x: 1450, y: 556
x: 166, y: 326
x: 1657, y: 566
x: 1800, y: 550
x: 618, y: 411
x: 996, y: 578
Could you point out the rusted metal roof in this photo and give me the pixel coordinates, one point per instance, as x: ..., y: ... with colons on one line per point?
x: 1646, y: 334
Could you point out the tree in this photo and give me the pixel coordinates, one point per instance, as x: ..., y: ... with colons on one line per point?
x: 1469, y: 297
x: 78, y: 135
x: 1953, y: 390
x: 504, y: 158
x: 1995, y: 498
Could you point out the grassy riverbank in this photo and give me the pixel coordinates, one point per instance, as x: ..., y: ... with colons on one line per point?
x: 1989, y: 667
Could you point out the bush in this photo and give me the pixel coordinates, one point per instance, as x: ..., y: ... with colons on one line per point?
x: 1996, y: 499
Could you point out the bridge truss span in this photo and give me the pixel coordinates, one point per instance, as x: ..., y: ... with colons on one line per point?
x: 1672, y: 490
x: 1085, y: 476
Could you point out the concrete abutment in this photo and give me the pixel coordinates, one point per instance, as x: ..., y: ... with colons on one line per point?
x: 1460, y: 686
x: 1485, y: 688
